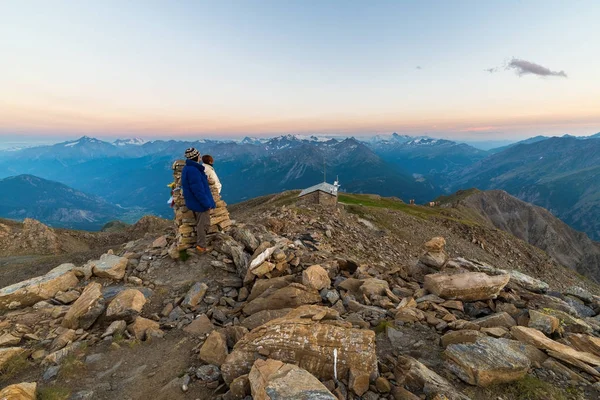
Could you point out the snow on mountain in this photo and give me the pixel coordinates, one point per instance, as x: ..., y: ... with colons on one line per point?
x: 129, y: 142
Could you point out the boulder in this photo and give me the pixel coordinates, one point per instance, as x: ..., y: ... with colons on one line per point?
x: 141, y: 326
x: 8, y: 339
x: 245, y: 237
x: 539, y: 340
x: 468, y: 286
x: 31, y: 291
x: 307, y: 343
x: 86, y: 309
x: 486, y: 362
x: 227, y: 245
x: 462, y: 336
x: 263, y: 269
x: 374, y: 287
x: 580, y: 293
x: 435, y: 260
x: 6, y: 354
x: 272, y: 379
x: 160, y: 242
x: 126, y: 305
x: 214, y: 349
x: 435, y: 245
x: 195, y: 295
x: 200, y: 326
x: 109, y: 266
x: 67, y: 297
x: 585, y: 343
x: 417, y: 378
x: 527, y: 282
x: 358, y: 381
x: 543, y: 322
x: 261, y: 287
x: 315, y: 277
x: 115, y: 328
x: 19, y: 391
x: 264, y: 316
x: 291, y: 296
x: 542, y: 302
x: 570, y: 323
x: 501, y: 319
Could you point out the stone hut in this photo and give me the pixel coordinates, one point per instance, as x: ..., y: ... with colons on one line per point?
x: 185, y: 222
x: 324, y: 194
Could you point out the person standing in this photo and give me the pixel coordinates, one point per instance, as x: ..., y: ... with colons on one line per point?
x: 196, y: 193
x: 208, y: 162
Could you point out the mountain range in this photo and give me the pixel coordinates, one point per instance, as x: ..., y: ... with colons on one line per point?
x: 557, y: 173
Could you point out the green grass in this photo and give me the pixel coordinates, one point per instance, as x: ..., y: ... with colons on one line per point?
x: 53, y: 393
x: 183, y: 255
x: 14, y: 366
x: 423, y: 212
x: 528, y: 388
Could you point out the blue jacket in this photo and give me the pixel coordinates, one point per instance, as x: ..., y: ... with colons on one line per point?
x: 196, y: 191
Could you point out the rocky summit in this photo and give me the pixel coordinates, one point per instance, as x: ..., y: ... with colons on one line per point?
x: 375, y: 301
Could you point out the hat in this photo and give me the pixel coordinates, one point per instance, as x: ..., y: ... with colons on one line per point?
x: 192, y: 153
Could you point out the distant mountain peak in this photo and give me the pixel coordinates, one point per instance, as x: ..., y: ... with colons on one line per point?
x: 129, y: 142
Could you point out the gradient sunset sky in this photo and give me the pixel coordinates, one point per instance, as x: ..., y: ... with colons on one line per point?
x: 456, y: 69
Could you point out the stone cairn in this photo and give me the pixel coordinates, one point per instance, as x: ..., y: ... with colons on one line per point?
x: 184, y: 218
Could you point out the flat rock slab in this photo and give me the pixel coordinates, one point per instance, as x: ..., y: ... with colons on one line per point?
x: 126, y: 305
x: 539, y: 340
x: 291, y: 296
x: 272, y: 379
x: 468, y: 286
x: 31, y: 291
x: 307, y: 343
x: 86, y: 309
x: 486, y: 362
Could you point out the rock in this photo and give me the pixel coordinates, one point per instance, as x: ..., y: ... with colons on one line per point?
x: 570, y: 323
x: 160, y: 242
x: 34, y: 290
x: 581, y: 309
x: 214, y: 349
x: 435, y: 245
x: 200, y: 326
x: 580, y: 293
x: 6, y: 354
x: 233, y: 334
x: 542, y: 302
x: 115, y: 328
x: 543, y: 322
x: 127, y: 305
x: 245, y: 237
x: 291, y: 296
x: 358, y: 381
x: 497, y: 332
x: 263, y: 269
x: 308, y: 343
x: 527, y: 282
x: 109, y: 266
x: 462, y: 336
x: 208, y: 373
x: 315, y: 277
x: 86, y: 310
x: 19, y: 391
x: 468, y: 286
x: 399, y: 393
x: 539, y: 340
x: 417, y: 378
x: 62, y: 340
x: 8, y: 339
x: 585, y: 343
x: 501, y: 319
x: 374, y: 287
x: 226, y: 245
x: 261, y: 287
x: 195, y: 295
x: 56, y: 357
x: 383, y: 385
x: 140, y: 326
x: 67, y: 297
x: 487, y: 361
x: 240, y: 388
x: 262, y: 317
x: 272, y: 379
x: 435, y: 260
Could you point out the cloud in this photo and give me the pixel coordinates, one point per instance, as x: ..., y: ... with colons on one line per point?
x: 491, y: 70
x: 419, y: 67
x: 523, y: 67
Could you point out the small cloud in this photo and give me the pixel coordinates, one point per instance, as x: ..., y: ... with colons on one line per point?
x: 491, y: 70
x: 523, y: 67
x: 419, y: 67
x: 479, y: 128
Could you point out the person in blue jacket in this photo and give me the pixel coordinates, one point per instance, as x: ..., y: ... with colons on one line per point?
x: 197, y: 195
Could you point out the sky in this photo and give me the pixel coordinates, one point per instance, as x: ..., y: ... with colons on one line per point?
x: 491, y: 70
